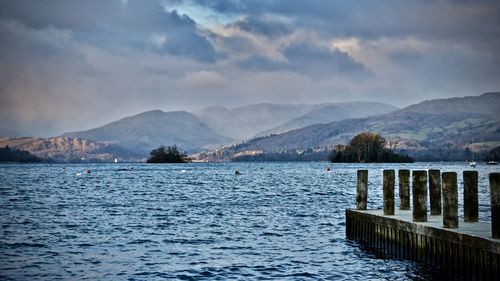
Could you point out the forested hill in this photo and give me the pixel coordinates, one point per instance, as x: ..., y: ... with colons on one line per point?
x: 436, y: 124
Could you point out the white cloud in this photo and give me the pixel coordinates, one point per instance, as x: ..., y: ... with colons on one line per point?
x: 203, y: 80
x: 159, y: 39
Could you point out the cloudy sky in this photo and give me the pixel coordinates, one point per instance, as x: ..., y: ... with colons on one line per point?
x: 72, y: 65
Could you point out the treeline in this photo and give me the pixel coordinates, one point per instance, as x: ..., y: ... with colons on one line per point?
x: 368, y: 148
x: 283, y: 157
x: 446, y: 154
x: 15, y: 155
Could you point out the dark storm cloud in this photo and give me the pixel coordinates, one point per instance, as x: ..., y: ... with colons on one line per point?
x: 321, y: 61
x: 115, y: 24
x: 184, y: 40
x: 70, y: 65
x: 309, y: 60
x: 368, y: 18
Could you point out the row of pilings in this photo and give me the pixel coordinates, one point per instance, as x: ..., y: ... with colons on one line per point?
x: 462, y: 252
x: 443, y: 189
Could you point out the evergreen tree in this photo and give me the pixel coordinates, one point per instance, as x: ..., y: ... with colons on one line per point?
x: 14, y: 155
x: 169, y: 154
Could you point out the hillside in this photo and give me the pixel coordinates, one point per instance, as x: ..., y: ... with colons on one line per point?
x: 68, y: 149
x: 435, y: 124
x: 145, y: 131
x: 327, y: 113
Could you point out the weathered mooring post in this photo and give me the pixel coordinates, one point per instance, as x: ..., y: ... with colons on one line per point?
x: 495, y: 204
x: 471, y: 205
x: 467, y: 253
x: 404, y: 189
x: 435, y: 191
x: 389, y: 192
x: 450, y: 200
x: 419, y: 190
x: 362, y: 190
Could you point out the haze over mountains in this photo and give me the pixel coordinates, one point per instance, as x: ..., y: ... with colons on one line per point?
x: 12, y: 133
x: 246, y: 121
x: 261, y: 119
x: 440, y: 123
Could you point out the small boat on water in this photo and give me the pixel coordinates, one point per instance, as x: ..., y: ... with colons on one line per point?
x: 492, y: 163
x: 472, y: 163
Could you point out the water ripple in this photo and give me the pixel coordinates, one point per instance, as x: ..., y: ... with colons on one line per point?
x: 192, y: 222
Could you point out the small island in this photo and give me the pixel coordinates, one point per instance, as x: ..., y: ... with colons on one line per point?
x: 368, y: 148
x: 169, y: 154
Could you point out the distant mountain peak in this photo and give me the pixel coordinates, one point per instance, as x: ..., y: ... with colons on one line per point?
x: 148, y: 130
x: 490, y: 94
x: 329, y: 112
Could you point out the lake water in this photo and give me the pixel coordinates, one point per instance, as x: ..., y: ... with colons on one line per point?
x: 195, y: 221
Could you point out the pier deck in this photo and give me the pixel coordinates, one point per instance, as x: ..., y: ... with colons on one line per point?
x: 467, y: 252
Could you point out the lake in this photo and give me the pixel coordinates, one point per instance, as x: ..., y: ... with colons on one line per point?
x: 195, y: 221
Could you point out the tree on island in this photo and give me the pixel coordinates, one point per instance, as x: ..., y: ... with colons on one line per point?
x: 368, y: 148
x: 15, y: 155
x: 170, y: 154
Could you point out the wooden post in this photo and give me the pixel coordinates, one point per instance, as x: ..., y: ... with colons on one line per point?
x: 419, y: 190
x: 362, y: 190
x: 495, y: 204
x: 404, y: 189
x: 471, y: 205
x: 435, y: 191
x: 450, y: 200
x: 389, y: 192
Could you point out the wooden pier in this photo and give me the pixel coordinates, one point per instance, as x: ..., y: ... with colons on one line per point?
x: 468, y: 250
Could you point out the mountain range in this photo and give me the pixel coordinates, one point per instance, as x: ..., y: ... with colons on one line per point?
x: 327, y: 113
x: 265, y: 127
x: 215, y: 126
x: 442, y: 124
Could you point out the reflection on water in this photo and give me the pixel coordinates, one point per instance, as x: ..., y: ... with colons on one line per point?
x: 194, y: 221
